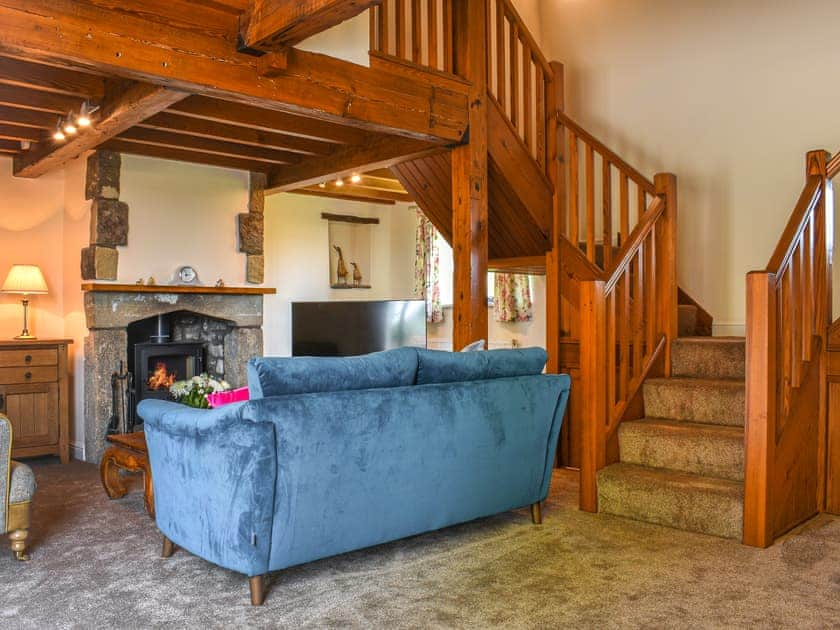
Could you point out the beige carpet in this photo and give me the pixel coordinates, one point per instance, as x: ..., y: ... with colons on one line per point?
x: 95, y: 565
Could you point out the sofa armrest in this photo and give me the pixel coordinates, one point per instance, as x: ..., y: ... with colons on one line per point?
x: 214, y: 474
x: 5, y: 469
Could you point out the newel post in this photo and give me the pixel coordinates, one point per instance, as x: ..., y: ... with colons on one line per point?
x: 557, y: 175
x: 593, y: 376
x: 666, y: 260
x: 761, y: 408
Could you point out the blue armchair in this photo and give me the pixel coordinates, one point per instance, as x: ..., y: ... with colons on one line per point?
x: 17, y: 487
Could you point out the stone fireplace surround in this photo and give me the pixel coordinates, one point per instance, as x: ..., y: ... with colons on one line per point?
x: 109, y: 309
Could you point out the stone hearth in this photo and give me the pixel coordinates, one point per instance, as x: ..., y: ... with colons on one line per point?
x: 108, y: 313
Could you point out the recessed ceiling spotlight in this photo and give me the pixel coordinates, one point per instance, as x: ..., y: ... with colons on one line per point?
x: 339, y: 182
x: 356, y: 178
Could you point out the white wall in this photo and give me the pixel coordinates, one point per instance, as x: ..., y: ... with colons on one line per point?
x: 297, y: 258
x: 727, y: 95
x: 182, y: 214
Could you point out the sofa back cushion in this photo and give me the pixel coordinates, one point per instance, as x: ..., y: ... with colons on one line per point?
x: 281, y: 376
x: 435, y: 366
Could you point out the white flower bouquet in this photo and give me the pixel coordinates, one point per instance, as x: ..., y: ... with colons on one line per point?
x: 193, y: 392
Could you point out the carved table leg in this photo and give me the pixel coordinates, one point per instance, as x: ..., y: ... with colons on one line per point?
x: 110, y: 475
x: 18, y: 538
x: 168, y: 548
x: 149, y: 495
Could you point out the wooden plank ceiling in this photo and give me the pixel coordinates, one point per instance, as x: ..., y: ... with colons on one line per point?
x: 185, y: 114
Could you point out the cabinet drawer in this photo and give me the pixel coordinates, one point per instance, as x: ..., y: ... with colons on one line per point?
x: 19, y: 375
x: 28, y: 358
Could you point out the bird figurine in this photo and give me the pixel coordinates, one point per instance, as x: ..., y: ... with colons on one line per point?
x: 357, y: 275
x: 341, y: 269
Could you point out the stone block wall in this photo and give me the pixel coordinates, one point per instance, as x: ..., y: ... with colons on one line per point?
x: 108, y: 217
x: 252, y: 230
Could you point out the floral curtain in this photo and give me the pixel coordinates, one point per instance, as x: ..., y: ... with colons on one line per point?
x: 427, y: 268
x: 512, y: 298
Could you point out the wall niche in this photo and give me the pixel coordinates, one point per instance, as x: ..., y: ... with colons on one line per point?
x: 350, y: 245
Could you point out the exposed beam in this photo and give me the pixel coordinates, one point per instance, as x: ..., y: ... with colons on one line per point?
x: 206, y: 145
x: 9, y: 146
x: 378, y: 153
x: 78, y: 34
x: 121, y: 110
x: 194, y: 157
x: 16, y: 132
x: 276, y: 24
x: 27, y: 118
x: 203, y: 128
x: 357, y: 190
x: 349, y: 196
x: 21, y: 98
x: 37, y: 76
x: 204, y: 108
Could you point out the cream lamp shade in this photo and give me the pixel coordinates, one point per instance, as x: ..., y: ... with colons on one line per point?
x: 25, y: 279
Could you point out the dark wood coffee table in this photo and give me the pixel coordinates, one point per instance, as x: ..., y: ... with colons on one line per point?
x: 128, y: 452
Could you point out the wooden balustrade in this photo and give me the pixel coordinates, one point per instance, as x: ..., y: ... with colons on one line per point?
x: 606, y: 196
x: 519, y: 78
x: 419, y: 31
x: 788, y: 315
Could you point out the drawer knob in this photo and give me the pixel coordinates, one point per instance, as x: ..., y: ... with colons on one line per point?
x: 28, y: 358
x: 28, y: 376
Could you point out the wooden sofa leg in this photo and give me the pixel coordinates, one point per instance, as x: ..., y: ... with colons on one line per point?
x: 536, y: 513
x: 168, y: 548
x: 257, y: 585
x: 18, y: 538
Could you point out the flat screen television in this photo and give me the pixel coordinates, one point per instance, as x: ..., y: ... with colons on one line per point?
x: 342, y: 329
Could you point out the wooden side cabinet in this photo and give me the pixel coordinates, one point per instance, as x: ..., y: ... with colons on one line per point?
x: 34, y: 394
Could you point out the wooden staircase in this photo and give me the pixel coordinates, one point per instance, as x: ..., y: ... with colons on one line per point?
x: 657, y: 421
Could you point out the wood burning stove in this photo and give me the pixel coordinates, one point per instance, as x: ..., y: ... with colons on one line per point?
x: 159, y: 365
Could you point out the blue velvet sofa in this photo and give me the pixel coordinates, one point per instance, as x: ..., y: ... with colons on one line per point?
x: 336, y: 454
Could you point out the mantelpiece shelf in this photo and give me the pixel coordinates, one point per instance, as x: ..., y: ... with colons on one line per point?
x: 169, y: 288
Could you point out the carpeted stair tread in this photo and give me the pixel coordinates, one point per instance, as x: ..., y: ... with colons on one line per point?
x: 709, y: 357
x: 676, y: 499
x: 703, y: 449
x: 686, y: 320
x: 712, y: 401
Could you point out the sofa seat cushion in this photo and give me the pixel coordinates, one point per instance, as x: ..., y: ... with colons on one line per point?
x: 436, y: 366
x: 282, y: 376
x: 22, y: 486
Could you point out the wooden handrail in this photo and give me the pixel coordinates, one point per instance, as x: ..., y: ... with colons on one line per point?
x: 601, y: 148
x: 524, y: 33
x: 788, y: 317
x: 810, y: 196
x: 833, y: 167
x: 630, y: 249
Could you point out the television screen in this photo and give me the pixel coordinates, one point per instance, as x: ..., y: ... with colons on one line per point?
x: 341, y: 329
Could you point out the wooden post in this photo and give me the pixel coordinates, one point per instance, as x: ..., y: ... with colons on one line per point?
x: 761, y: 408
x: 593, y: 362
x: 666, y: 260
x: 469, y: 181
x: 557, y: 175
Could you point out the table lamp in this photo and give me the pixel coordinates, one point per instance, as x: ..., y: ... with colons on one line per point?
x: 26, y: 280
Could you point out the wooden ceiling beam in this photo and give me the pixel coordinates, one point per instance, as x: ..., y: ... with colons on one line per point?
x: 206, y: 145
x: 238, y: 134
x: 79, y: 34
x: 121, y: 110
x: 36, y: 76
x: 276, y: 24
x: 9, y: 146
x: 379, y: 152
x: 27, y: 118
x: 358, y: 190
x: 194, y: 157
x: 16, y: 132
x: 21, y: 98
x: 217, y: 110
x: 317, y: 192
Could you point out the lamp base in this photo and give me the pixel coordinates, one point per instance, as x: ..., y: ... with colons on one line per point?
x: 26, y: 337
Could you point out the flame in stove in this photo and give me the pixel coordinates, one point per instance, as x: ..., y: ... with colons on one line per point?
x: 162, y: 378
